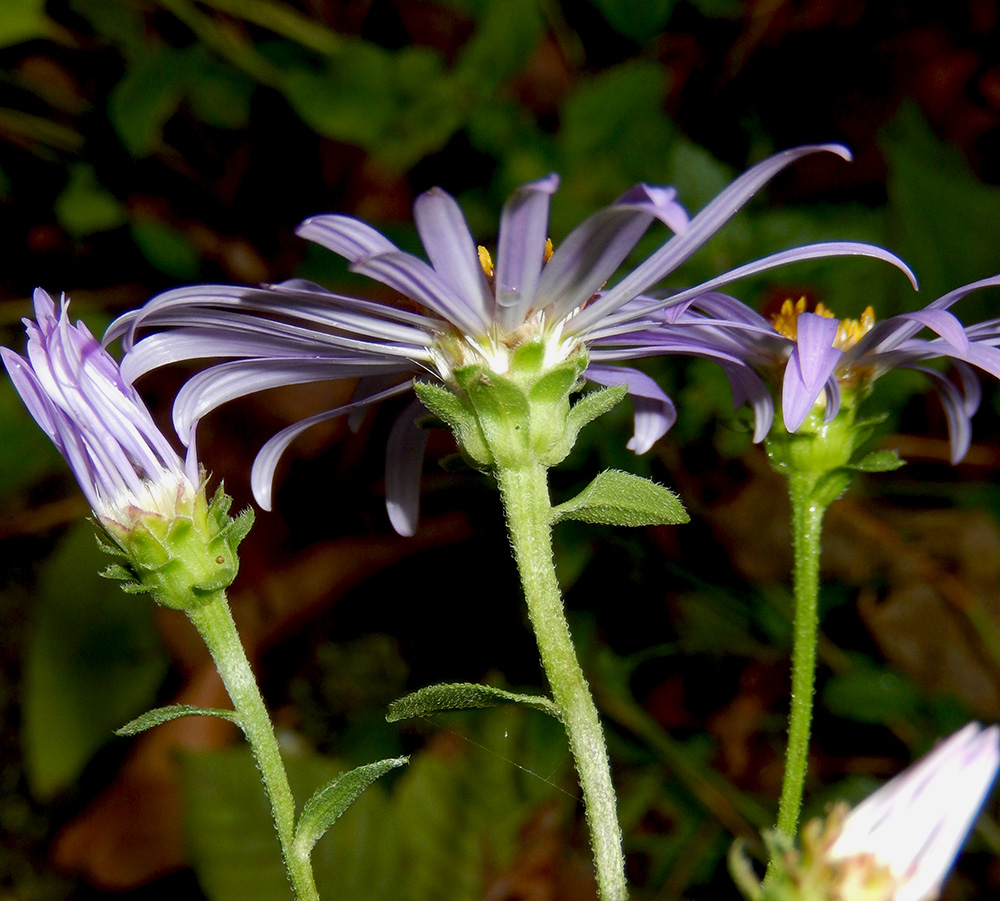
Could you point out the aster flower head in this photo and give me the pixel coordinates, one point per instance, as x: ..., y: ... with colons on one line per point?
x: 510, y: 318
x: 900, y: 843
x: 825, y: 365
x: 149, y: 501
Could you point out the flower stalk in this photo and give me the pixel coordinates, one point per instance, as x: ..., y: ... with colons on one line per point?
x: 215, y: 625
x: 807, y: 527
x: 524, y: 490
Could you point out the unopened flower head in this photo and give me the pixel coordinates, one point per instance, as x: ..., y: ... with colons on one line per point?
x: 472, y: 309
x: 148, y: 500
x: 900, y: 843
x: 74, y: 390
x: 915, y: 825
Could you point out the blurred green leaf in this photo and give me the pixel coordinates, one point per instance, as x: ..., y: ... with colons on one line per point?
x: 399, y: 106
x: 870, y: 694
x: 92, y: 659
x: 451, y: 820
x: 613, y: 126
x: 85, y: 206
x: 121, y: 24
x: 147, y: 97
x: 636, y: 19
x: 22, y: 20
x: 217, y: 93
x: 26, y: 454
x: 943, y: 218
x: 506, y: 36
x: 166, y: 248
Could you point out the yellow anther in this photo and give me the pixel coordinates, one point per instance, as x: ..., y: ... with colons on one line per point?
x: 786, y: 321
x: 486, y: 261
x: 549, y: 249
x: 849, y: 331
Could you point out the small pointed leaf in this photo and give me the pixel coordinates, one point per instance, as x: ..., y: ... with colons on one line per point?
x: 462, y: 696
x: 878, y: 461
x: 621, y: 499
x: 329, y: 802
x: 175, y: 711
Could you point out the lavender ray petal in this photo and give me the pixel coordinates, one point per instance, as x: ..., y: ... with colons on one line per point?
x: 943, y: 323
x: 655, y: 413
x: 415, y: 279
x: 810, y: 365
x: 344, y: 235
x: 262, y: 473
x: 708, y: 221
x: 524, y: 224
x: 748, y: 388
x: 590, y: 316
x: 404, y: 463
x: 212, y: 387
x: 594, y: 250
x: 452, y: 250
x: 955, y: 410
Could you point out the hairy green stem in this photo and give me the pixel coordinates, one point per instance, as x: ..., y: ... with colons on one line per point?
x: 525, y: 494
x: 214, y: 623
x: 807, y: 527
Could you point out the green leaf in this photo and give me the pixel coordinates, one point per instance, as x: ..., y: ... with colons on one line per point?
x: 504, y: 41
x: 166, y: 248
x: 326, y: 805
x: 938, y: 209
x: 870, y: 694
x: 462, y: 696
x: 617, y: 498
x: 160, y: 715
x: 146, y: 98
x: 26, y: 454
x: 85, y: 206
x: 878, y: 461
x: 234, y: 849
x: 636, y: 19
x: 22, y: 20
x: 93, y: 658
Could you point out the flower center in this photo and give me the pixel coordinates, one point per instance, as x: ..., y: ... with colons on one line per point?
x: 495, y: 350
x: 849, y: 331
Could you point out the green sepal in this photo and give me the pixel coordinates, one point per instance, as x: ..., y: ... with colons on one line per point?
x: 502, y: 411
x: 179, y: 559
x: 878, y: 461
x: 160, y: 715
x: 742, y: 872
x: 589, y: 407
x: 462, y: 696
x: 618, y: 498
x: 447, y: 407
x: 322, y: 810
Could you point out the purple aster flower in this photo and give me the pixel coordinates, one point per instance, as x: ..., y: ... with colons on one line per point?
x: 469, y: 312
x: 75, y: 392
x: 915, y: 825
x: 818, y: 359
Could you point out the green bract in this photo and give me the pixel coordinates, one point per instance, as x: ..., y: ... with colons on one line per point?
x: 179, y: 559
x: 520, y: 416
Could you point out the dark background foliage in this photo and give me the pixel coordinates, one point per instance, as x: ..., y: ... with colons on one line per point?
x: 147, y: 143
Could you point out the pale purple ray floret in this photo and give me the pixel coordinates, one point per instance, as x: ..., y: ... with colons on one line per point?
x: 813, y: 364
x: 74, y: 390
x: 297, y: 332
x: 916, y: 824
